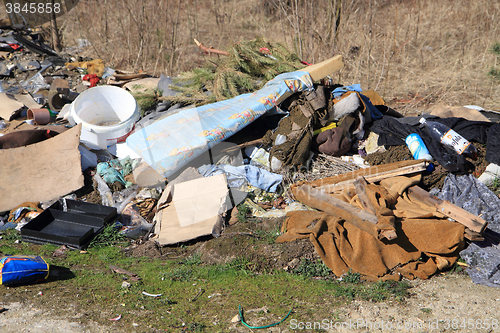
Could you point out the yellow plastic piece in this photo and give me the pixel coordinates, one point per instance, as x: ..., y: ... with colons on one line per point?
x: 326, y: 128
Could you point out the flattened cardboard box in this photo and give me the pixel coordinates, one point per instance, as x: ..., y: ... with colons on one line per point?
x: 192, y: 209
x: 42, y: 171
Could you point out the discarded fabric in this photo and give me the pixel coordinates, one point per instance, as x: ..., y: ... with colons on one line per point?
x: 237, y: 175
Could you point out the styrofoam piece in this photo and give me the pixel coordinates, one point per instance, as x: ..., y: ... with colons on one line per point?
x: 489, y: 175
x: 121, y: 150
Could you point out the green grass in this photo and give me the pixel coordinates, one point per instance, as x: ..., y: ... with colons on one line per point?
x: 266, y: 236
x: 243, y: 211
x: 312, y: 268
x: 10, y: 235
x: 109, y: 236
x: 495, y: 186
x: 194, y: 295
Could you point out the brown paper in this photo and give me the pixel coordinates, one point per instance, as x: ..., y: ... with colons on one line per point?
x: 42, y: 171
x: 28, y: 101
x: 446, y: 111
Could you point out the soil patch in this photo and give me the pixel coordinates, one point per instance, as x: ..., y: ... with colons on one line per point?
x: 391, y: 155
x: 148, y: 249
x: 253, y: 241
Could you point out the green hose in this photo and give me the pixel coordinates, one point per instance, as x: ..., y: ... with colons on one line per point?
x: 259, y: 327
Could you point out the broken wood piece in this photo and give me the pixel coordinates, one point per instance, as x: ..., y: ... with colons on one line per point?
x: 473, y: 236
x: 209, y: 50
x: 444, y: 207
x: 375, y: 174
x: 360, y: 186
x: 318, y: 199
x: 242, y: 145
x: 323, y: 69
x: 116, y: 269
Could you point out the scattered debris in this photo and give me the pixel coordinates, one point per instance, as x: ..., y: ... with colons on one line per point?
x: 116, y: 318
x: 151, y: 295
x: 116, y: 269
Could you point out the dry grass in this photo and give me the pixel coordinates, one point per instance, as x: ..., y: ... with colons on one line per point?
x: 420, y: 51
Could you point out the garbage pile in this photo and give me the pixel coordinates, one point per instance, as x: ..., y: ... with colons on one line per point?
x: 84, y: 146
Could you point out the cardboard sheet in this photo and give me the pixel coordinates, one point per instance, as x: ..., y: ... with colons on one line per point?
x: 28, y: 101
x: 194, y: 209
x: 9, y: 107
x: 142, y: 85
x: 446, y: 111
x: 42, y: 171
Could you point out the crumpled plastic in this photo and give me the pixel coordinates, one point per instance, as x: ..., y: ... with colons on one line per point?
x: 36, y: 83
x: 116, y: 170
x: 482, y: 258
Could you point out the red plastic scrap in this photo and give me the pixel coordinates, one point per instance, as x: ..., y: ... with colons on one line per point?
x: 15, y: 46
x: 92, y: 78
x: 117, y: 318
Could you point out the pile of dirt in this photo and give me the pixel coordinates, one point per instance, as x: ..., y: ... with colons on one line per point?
x: 148, y: 249
x: 391, y: 155
x: 253, y: 241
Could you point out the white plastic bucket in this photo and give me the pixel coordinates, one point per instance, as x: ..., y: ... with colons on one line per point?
x: 107, y: 114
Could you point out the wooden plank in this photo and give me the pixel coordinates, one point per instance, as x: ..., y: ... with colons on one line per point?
x: 376, y: 177
x: 473, y: 236
x: 324, y: 68
x: 351, y: 214
x: 360, y: 186
x: 458, y: 214
x: 351, y: 209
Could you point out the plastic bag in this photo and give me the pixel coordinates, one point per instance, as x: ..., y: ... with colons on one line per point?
x: 104, y: 191
x: 134, y: 225
x: 34, y: 84
x: 15, y: 270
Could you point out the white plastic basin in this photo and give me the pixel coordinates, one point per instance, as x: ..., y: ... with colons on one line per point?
x: 108, y: 115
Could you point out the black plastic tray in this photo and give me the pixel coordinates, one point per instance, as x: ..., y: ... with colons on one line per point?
x: 107, y: 214
x: 62, y: 228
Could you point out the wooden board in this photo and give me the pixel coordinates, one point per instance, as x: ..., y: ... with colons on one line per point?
x: 374, y: 174
x: 351, y: 214
x: 325, y: 68
x: 458, y: 214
